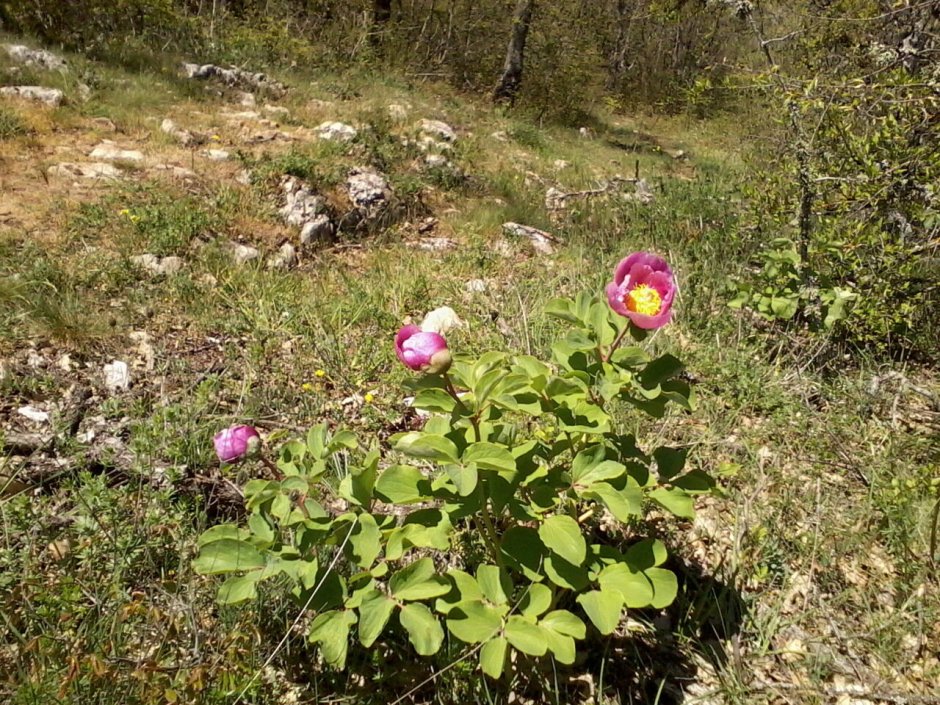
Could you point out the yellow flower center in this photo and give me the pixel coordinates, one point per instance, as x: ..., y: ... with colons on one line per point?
x: 644, y: 299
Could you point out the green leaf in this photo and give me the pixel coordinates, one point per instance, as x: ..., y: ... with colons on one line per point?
x: 493, y: 657
x: 695, y: 481
x: 659, y: 370
x: 563, y: 309
x: 428, y: 446
x: 424, y: 630
x: 537, y: 599
x: 374, y: 613
x: 365, y: 541
x: 418, y: 581
x: 495, y: 584
x: 227, y: 556
x: 669, y: 461
x: 526, y: 636
x: 523, y: 550
x: 222, y: 531
x: 784, y: 308
x: 474, y: 622
x: 316, y: 443
x: 262, y: 534
x: 564, y: 622
x: 467, y: 587
x: 403, y: 484
x: 635, y: 589
x: 490, y: 456
x: 562, y: 535
x: 665, y: 586
x: 623, y: 504
x: 674, y: 500
x: 330, y: 630
x: 435, y: 401
x: 630, y: 356
x: 603, y: 608
x: 565, y: 574
x: 239, y: 588
x: 465, y: 478
x: 607, y: 470
x: 561, y: 645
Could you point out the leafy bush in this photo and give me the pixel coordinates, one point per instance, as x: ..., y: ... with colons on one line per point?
x: 873, y: 236
x: 497, y: 522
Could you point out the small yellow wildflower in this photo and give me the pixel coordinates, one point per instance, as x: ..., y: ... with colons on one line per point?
x: 369, y: 398
x: 135, y: 218
x: 320, y: 373
x: 216, y: 138
x: 307, y: 387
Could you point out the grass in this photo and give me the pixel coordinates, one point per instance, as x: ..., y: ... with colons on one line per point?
x: 810, y: 569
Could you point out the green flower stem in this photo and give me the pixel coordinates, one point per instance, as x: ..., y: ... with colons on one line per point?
x: 452, y: 390
x: 616, y: 343
x: 270, y: 464
x: 491, y: 537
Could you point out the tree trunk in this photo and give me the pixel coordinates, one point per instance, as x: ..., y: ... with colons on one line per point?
x: 381, y: 14
x: 618, y: 59
x: 508, y: 87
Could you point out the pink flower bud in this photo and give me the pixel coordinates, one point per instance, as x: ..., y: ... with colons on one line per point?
x: 422, y: 351
x: 643, y: 290
x: 237, y: 443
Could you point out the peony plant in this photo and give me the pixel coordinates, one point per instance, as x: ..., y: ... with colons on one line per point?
x: 491, y: 524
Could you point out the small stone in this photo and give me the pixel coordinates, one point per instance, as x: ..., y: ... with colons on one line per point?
x: 437, y: 161
x: 110, y: 152
x: 93, y: 170
x: 368, y: 190
x: 243, y: 177
x: 233, y: 77
x: 437, y: 129
x: 60, y: 549
x: 145, y: 350
x: 84, y: 92
x: 561, y: 164
x: 318, y: 230
x: 475, y: 286
x: 434, y: 244
x: 35, y: 57
x: 336, y: 132
x: 33, y: 414
x: 284, y: 258
x: 541, y: 240
x: 117, y: 376
x: 243, y: 254
x: 276, y: 110
x: 105, y: 124
x: 586, y: 133
x: 52, y: 97
x: 247, y: 100
x: 216, y: 155
x: 397, y: 112
x: 64, y: 363
x: 164, y: 266
x: 184, y: 137
x: 500, y: 136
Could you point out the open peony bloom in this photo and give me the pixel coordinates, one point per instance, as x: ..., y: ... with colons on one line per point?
x: 422, y: 351
x: 642, y: 290
x: 236, y: 443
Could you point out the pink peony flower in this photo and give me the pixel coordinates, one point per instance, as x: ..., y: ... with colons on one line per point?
x: 236, y: 443
x: 642, y: 290
x: 422, y: 351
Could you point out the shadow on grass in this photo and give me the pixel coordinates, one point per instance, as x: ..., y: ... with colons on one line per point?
x: 655, y: 664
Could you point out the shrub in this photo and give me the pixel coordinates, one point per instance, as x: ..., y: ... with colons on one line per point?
x: 497, y: 522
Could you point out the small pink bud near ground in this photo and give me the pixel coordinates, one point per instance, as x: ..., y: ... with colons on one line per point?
x: 236, y: 443
x: 422, y: 351
x: 643, y: 290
